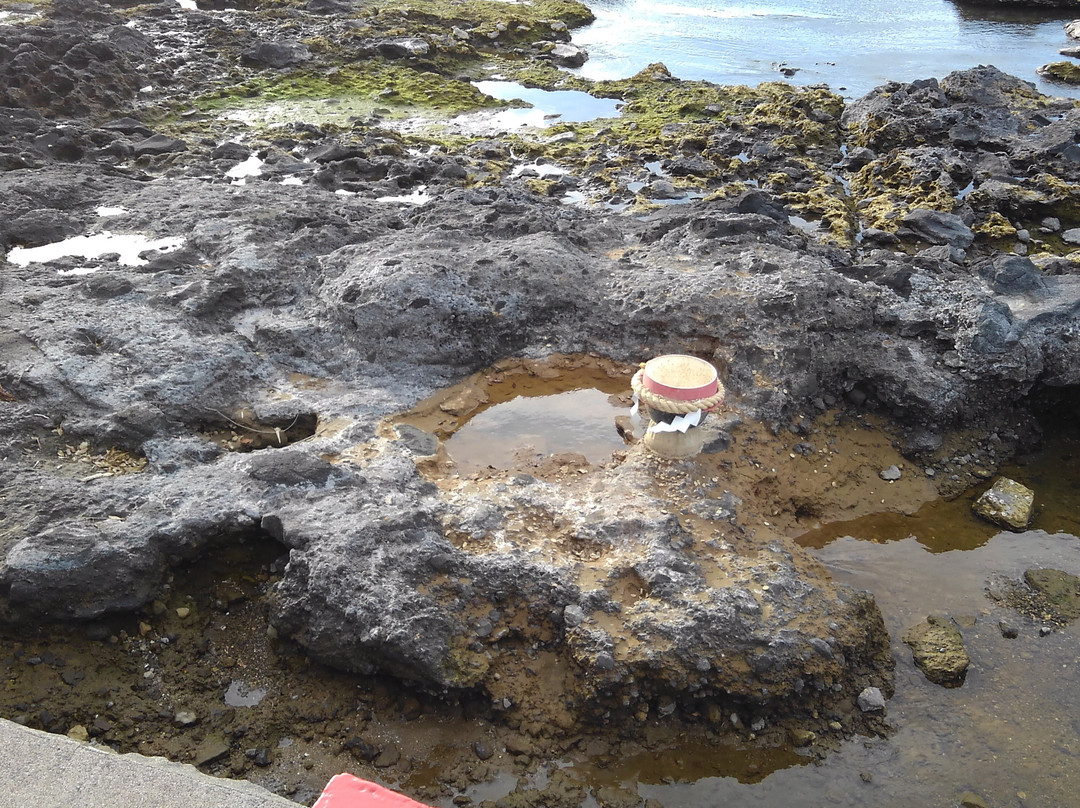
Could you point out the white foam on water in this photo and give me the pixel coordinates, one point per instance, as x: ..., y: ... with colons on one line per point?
x: 292, y: 181
x: 107, y: 211
x: 188, y: 5
x: 127, y: 245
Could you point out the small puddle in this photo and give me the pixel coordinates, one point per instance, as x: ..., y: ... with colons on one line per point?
x: 418, y: 197
x: 579, y: 421
x: 546, y: 107
x: 240, y: 694
x: 521, y: 411
x: 810, y: 228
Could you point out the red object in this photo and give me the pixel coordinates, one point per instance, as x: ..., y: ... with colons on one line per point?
x: 698, y: 375
x: 348, y: 791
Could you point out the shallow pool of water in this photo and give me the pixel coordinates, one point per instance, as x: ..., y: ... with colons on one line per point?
x: 546, y: 107
x: 524, y: 428
x: 853, y: 47
x: 1009, y: 734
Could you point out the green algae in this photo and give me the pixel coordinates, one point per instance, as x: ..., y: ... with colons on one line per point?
x: 666, y: 117
x: 662, y: 110
x: 994, y: 227
x: 827, y: 202
x: 493, y: 20
x: 888, y: 188
x: 391, y: 89
x: 1064, y: 72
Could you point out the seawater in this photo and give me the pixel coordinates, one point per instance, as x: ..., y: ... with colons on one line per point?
x: 851, y: 46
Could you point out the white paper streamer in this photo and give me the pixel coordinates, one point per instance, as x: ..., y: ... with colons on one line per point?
x: 680, y: 423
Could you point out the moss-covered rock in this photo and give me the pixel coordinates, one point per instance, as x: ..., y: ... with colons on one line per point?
x: 1064, y: 72
x: 938, y: 650
x: 1059, y: 591
x: 890, y: 187
x: 1006, y: 503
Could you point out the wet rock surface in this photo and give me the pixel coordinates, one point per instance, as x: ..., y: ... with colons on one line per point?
x: 237, y: 385
x: 1049, y: 597
x: 1006, y: 503
x: 938, y: 649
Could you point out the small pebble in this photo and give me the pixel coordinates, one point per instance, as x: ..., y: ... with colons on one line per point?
x: 185, y: 718
x: 871, y: 700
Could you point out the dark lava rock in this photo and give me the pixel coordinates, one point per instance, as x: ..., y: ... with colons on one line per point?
x: 80, y: 570
x: 127, y: 126
x: 417, y: 440
x: 159, y: 144
x: 297, y: 299
x: 939, y: 228
x: 289, y: 467
x: 403, y: 47
x: 82, y: 61
x: 277, y: 54
x: 1012, y: 274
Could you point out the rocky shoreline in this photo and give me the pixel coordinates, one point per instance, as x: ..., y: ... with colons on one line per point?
x: 908, y: 256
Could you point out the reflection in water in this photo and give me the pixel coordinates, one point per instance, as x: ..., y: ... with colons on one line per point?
x: 546, y: 107
x: 579, y: 421
x: 746, y: 765
x: 939, y: 526
x: 240, y: 694
x: 1009, y: 734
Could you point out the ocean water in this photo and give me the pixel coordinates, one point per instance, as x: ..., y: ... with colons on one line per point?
x: 851, y: 46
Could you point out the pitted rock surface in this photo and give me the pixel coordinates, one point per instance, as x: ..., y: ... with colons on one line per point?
x: 331, y: 299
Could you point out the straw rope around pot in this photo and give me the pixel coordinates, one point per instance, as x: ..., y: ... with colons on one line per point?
x: 664, y: 404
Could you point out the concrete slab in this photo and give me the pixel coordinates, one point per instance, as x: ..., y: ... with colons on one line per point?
x: 41, y: 770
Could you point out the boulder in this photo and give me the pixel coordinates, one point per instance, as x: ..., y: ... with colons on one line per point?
x: 403, y: 47
x: 1060, y: 591
x: 936, y: 227
x: 566, y: 55
x: 159, y: 144
x: 938, y: 650
x: 277, y: 54
x: 1006, y: 503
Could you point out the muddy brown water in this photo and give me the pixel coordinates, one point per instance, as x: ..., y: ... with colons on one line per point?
x: 200, y: 677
